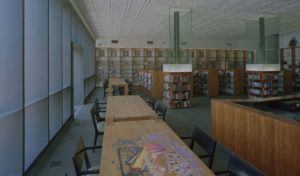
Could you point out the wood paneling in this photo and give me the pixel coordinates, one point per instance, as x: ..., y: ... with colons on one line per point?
x: 267, y: 141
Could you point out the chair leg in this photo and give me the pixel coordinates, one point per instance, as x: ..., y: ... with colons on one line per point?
x: 104, y: 95
x: 95, y: 141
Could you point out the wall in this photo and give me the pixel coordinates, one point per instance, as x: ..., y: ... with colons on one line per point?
x: 158, y: 43
x: 35, y: 76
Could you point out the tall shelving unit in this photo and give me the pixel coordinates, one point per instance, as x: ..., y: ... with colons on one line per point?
x: 137, y: 65
x: 149, y: 58
x: 114, y: 64
x: 126, y: 64
x: 178, y: 89
x: 290, y: 60
x: 162, y: 56
x: 206, y: 82
x: 232, y: 81
x: 101, y: 66
x: 129, y: 62
x: 262, y: 84
x: 151, y: 81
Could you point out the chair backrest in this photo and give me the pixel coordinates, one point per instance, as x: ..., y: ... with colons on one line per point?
x: 238, y: 166
x: 79, y: 157
x: 206, y: 142
x: 105, y: 84
x: 152, y: 102
x: 95, y: 117
x: 96, y: 104
x: 162, y: 109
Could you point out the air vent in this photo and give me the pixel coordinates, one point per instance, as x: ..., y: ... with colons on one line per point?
x: 229, y: 44
x: 114, y: 41
x: 150, y: 42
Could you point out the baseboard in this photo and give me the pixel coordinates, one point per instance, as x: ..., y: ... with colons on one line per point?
x: 89, y: 95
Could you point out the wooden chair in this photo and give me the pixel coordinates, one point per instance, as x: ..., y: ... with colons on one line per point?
x: 98, y: 124
x: 161, y: 110
x: 239, y: 167
x: 80, y: 157
x: 204, y: 141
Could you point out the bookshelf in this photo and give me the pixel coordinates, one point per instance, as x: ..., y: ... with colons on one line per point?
x: 101, y: 66
x: 126, y: 68
x: 114, y: 70
x: 127, y: 63
x: 232, y: 81
x: 151, y: 81
x: 262, y: 84
x: 290, y: 60
x: 162, y: 56
x: 149, y: 58
x: 206, y: 82
x: 178, y: 89
x: 137, y: 65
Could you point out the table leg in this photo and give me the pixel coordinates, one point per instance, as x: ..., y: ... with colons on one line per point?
x: 126, y: 89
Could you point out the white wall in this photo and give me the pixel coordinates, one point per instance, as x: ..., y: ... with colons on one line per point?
x: 158, y: 43
x: 35, y: 76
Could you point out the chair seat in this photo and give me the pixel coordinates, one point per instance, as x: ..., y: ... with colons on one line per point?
x: 100, y: 126
x: 93, y: 168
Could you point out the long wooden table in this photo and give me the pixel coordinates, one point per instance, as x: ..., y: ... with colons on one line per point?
x: 147, y: 147
x: 130, y: 107
x: 117, y: 82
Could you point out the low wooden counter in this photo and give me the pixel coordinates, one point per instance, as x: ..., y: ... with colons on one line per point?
x: 124, y: 108
x: 117, y: 82
x: 268, y: 141
x: 147, y: 147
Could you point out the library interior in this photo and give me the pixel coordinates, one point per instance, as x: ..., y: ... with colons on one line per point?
x: 149, y: 87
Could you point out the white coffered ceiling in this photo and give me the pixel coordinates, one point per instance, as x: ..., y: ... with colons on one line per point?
x: 215, y: 19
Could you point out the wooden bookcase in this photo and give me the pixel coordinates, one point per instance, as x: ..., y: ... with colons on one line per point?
x: 127, y: 63
x: 137, y: 65
x: 262, y: 84
x: 151, y: 82
x: 178, y: 89
x: 232, y: 82
x: 290, y: 60
x: 206, y: 82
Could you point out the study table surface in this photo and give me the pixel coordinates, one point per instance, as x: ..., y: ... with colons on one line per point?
x: 117, y: 82
x: 130, y: 107
x: 147, y: 147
